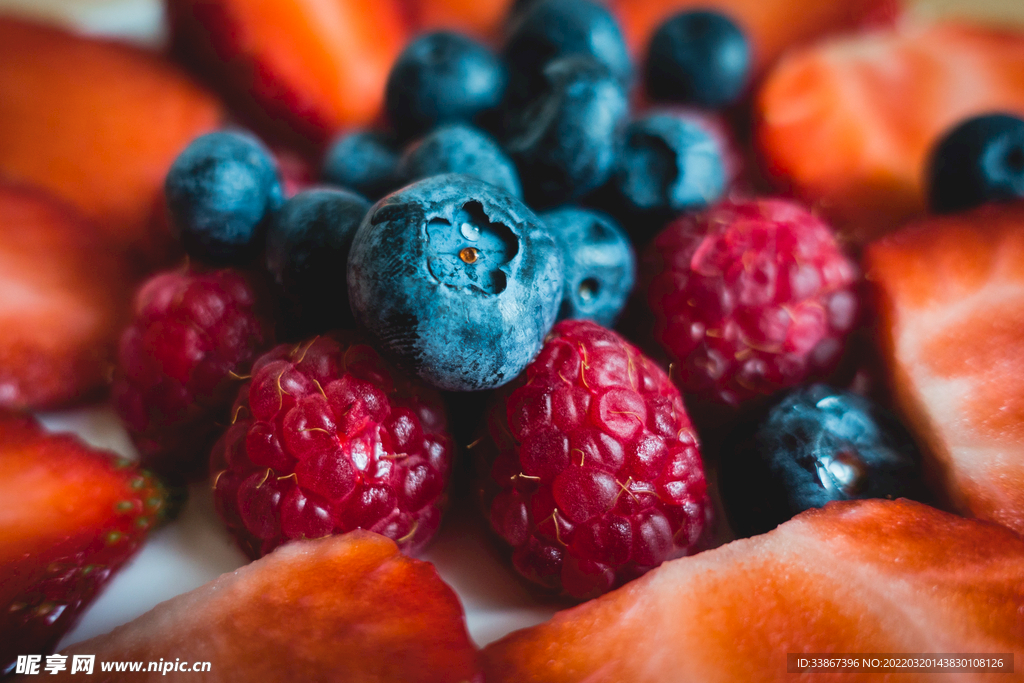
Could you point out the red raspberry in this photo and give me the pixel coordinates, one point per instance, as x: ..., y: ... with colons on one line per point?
x: 592, y: 471
x: 179, y: 362
x: 328, y: 438
x: 750, y: 297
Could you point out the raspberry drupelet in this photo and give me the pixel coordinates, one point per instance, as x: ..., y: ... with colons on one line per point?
x: 750, y: 297
x: 193, y: 335
x: 591, y: 469
x: 326, y: 438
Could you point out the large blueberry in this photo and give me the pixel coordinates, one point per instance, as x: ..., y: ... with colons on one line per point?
x: 598, y: 261
x: 307, y: 253
x: 363, y: 161
x: 459, y: 280
x: 669, y: 164
x: 808, y: 447
x: 566, y: 141
x: 980, y: 160
x: 220, y: 193
x: 442, y: 77
x: 547, y: 30
x: 698, y: 57
x: 459, y: 148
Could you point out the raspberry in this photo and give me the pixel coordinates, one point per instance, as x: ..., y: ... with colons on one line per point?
x: 591, y: 471
x: 178, y: 363
x: 328, y: 438
x: 750, y: 297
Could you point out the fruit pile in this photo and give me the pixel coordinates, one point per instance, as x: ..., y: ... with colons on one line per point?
x: 635, y: 278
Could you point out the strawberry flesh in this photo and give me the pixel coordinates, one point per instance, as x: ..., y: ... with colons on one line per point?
x: 63, y: 298
x: 847, y: 125
x: 70, y: 516
x: 97, y: 124
x: 855, y: 576
x: 342, y: 608
x: 950, y: 296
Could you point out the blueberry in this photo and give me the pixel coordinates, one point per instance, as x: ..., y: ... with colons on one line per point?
x: 700, y: 58
x: 598, y: 260
x: 220, y: 192
x: 979, y: 161
x: 442, y: 78
x: 459, y: 148
x: 566, y: 141
x: 363, y: 161
x: 814, y: 445
x: 308, y: 244
x: 669, y: 164
x: 547, y: 30
x: 457, y: 279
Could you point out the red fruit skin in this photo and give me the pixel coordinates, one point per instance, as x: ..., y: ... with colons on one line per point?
x: 590, y: 469
x: 302, y: 70
x: 72, y: 515
x: 63, y: 300
x: 193, y: 337
x: 326, y: 437
x: 847, y: 125
x: 750, y: 297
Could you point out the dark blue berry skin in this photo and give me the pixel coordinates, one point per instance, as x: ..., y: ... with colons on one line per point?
x: 566, y: 141
x: 460, y: 148
x: 442, y: 78
x: 363, y: 161
x: 814, y: 445
x: 598, y: 260
x: 457, y: 279
x: 547, y: 30
x: 700, y: 58
x: 308, y: 244
x: 979, y: 161
x: 220, y: 192
x: 669, y: 164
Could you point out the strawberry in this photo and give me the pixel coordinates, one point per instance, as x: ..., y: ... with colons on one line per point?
x: 342, y: 608
x: 950, y: 295
x: 98, y: 124
x: 856, y: 576
x: 480, y: 18
x: 304, y: 68
x: 773, y: 25
x: 63, y: 298
x: 70, y: 516
x: 877, y: 103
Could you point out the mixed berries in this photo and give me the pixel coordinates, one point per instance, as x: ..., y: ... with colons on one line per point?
x: 443, y: 218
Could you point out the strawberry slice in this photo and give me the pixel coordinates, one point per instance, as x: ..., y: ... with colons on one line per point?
x: 305, y: 67
x: 950, y: 295
x: 847, y: 125
x: 63, y: 300
x: 98, y: 124
x: 481, y: 18
x: 340, y: 608
x: 70, y: 516
x: 772, y: 25
x: 854, y: 577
